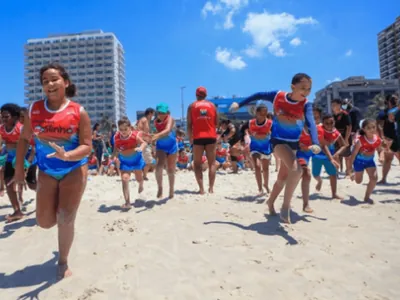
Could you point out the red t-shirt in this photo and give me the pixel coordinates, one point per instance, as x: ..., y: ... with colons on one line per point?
x: 203, y: 114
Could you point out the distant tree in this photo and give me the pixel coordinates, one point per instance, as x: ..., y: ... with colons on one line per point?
x: 373, y: 108
x: 105, y: 124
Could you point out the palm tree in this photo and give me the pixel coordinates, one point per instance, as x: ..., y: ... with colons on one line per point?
x: 373, y: 109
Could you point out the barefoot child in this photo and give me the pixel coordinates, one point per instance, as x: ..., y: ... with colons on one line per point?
x: 291, y: 112
x: 259, y: 130
x: 362, y: 156
x: 166, y: 148
x: 126, y: 143
x: 328, y: 158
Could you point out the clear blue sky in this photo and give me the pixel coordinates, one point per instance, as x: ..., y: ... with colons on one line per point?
x: 229, y: 46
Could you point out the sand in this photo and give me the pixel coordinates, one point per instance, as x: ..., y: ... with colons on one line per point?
x: 219, y: 246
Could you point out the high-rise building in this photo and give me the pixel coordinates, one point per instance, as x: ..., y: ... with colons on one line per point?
x: 96, y: 65
x: 389, y: 51
x: 359, y: 89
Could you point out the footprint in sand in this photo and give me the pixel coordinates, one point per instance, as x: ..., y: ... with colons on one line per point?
x: 119, y: 226
x: 88, y: 293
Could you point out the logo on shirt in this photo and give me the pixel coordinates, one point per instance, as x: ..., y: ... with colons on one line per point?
x: 52, y: 129
x: 203, y: 112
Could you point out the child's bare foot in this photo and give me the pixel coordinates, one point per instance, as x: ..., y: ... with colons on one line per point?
x: 271, y: 208
x: 159, y: 193
x: 267, y: 189
x: 352, y: 177
x: 141, y: 188
x: 383, y: 181
x: 211, y: 190
x: 319, y: 185
x: 126, y: 206
x: 285, y: 215
x: 201, y: 191
x: 63, y: 271
x: 260, y: 193
x: 171, y: 194
x: 17, y: 215
x: 369, y: 201
x: 307, y: 209
x: 336, y: 196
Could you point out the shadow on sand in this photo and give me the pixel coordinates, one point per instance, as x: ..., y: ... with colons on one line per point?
x: 43, y: 274
x: 11, y: 228
x: 352, y: 201
x: 271, y: 227
x: 318, y: 196
x: 258, y: 198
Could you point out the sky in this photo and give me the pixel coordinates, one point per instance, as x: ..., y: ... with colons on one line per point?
x: 232, y: 47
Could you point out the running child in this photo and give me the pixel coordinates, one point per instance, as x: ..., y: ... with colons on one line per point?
x: 126, y: 144
x: 166, y: 148
x: 291, y: 112
x: 328, y: 158
x: 362, y: 156
x: 259, y: 130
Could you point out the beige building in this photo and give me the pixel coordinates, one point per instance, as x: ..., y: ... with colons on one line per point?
x: 389, y: 51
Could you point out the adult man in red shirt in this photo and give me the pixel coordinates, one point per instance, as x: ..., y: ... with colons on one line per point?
x: 202, y: 120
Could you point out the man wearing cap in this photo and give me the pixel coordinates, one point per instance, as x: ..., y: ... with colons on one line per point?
x: 202, y: 120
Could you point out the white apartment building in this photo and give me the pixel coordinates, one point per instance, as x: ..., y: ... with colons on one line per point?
x: 389, y: 51
x: 95, y: 63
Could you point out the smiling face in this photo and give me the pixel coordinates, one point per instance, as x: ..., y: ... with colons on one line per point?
x: 7, y: 119
x: 301, y: 90
x: 161, y: 116
x: 329, y: 124
x: 370, y: 129
x: 54, y: 85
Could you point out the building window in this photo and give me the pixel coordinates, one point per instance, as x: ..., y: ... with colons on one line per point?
x: 99, y: 65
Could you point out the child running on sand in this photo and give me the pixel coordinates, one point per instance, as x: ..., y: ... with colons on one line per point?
x: 126, y: 143
x: 291, y: 112
x: 329, y: 136
x: 362, y: 156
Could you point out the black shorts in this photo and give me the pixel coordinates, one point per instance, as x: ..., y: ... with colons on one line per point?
x: 233, y: 141
x: 292, y: 145
x: 395, y: 145
x: 204, y: 142
x: 9, y: 173
x: 234, y: 158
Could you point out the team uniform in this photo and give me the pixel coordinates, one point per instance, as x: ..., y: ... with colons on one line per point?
x: 132, y: 161
x: 92, y: 163
x: 261, y: 146
x: 303, y: 155
x: 221, y: 155
x: 182, y: 162
x: 60, y: 127
x: 204, y: 127
x: 8, y: 157
x: 365, y: 156
x: 166, y: 143
x: 289, y: 118
x: 321, y: 159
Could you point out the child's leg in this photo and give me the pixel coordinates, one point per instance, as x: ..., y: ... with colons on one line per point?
x: 257, y: 173
x: 161, y: 161
x: 277, y: 188
x: 305, y: 189
x: 171, y: 161
x: 265, y: 170
x: 1, y: 181
x: 332, y: 172
x: 316, y: 172
x: 139, y: 176
x: 373, y: 178
x: 125, y: 177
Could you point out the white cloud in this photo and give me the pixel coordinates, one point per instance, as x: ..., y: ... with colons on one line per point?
x: 296, y: 42
x: 333, y: 80
x: 349, y: 53
x: 209, y: 7
x: 228, y: 8
x: 229, y: 60
x: 269, y: 30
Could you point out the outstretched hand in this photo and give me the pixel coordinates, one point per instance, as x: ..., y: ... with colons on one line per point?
x: 234, y: 107
x: 60, y: 152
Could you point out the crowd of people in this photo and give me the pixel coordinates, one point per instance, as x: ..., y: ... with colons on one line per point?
x: 51, y: 147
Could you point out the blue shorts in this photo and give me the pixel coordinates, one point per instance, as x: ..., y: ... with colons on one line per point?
x: 181, y: 166
x: 303, y: 158
x: 360, y: 165
x: 167, y: 144
x: 221, y: 160
x: 131, y: 162
x: 292, y: 145
x: 317, y: 164
x: 92, y: 167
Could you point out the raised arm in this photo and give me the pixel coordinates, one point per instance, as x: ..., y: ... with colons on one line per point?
x: 310, y: 123
x: 85, y: 139
x: 268, y: 96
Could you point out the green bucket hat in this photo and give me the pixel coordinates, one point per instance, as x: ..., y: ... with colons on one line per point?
x: 162, y: 108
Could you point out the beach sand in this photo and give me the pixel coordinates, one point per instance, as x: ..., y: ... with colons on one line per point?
x: 219, y: 246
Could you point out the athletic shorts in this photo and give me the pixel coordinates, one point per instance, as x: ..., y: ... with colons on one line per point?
x: 233, y: 141
x: 204, y: 142
x: 317, y: 164
x: 292, y: 145
x: 9, y: 173
x: 147, y: 155
x: 303, y: 158
x: 262, y: 155
x: 221, y: 160
x: 182, y: 166
x: 360, y: 165
x: 92, y: 167
x: 133, y: 162
x: 167, y: 144
x: 394, y: 146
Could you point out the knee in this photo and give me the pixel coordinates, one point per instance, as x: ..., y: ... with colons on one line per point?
x: 358, y: 180
x: 65, y: 218
x: 171, y: 170
x: 45, y: 223
x: 374, y: 178
x: 125, y: 178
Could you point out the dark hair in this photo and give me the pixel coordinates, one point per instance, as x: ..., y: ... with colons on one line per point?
x: 337, y: 101
x: 94, y: 126
x: 23, y: 110
x: 270, y: 115
x: 181, y: 150
x: 259, y: 108
x: 392, y: 99
x: 13, y: 109
x: 124, y: 121
x: 317, y: 109
x: 225, y: 122
x: 364, y: 124
x: 70, y: 91
x: 326, y: 116
x: 149, y: 111
x: 299, y: 77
